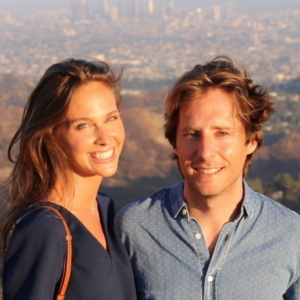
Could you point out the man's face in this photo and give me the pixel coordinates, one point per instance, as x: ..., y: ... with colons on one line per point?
x: 210, y: 145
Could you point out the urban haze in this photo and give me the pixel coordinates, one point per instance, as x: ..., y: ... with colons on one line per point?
x: 152, y: 40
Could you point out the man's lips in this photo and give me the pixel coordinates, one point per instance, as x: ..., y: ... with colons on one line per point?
x: 208, y: 171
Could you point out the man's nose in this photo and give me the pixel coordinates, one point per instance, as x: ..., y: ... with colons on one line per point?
x: 206, y: 146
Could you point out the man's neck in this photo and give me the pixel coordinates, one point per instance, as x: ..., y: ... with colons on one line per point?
x: 213, y: 213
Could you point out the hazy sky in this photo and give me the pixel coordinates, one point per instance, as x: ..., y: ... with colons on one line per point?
x: 35, y: 5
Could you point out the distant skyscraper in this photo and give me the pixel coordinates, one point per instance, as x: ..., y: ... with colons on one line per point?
x: 114, y: 13
x: 170, y: 8
x: 171, y: 5
x: 104, y: 9
x: 135, y: 8
x: 79, y: 10
x: 217, y: 13
x: 229, y: 10
x: 150, y: 7
x: 124, y: 10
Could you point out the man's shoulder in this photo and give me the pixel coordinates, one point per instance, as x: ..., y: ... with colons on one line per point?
x: 145, y: 209
x: 146, y: 204
x: 278, y: 211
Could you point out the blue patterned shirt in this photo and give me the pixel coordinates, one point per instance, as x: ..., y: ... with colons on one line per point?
x: 257, y: 256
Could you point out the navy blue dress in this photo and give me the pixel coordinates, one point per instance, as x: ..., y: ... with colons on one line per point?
x: 35, y: 257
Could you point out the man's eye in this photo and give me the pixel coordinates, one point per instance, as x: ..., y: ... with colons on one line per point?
x: 223, y: 133
x: 192, y: 134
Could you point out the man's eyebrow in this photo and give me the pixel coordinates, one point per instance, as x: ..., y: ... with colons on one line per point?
x: 218, y: 127
x: 190, y: 129
x: 85, y: 119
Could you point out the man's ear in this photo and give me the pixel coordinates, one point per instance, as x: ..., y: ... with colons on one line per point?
x: 251, y: 147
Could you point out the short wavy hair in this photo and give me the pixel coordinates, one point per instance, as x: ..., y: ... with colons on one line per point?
x: 251, y: 102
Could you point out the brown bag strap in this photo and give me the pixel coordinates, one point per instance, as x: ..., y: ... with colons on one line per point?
x: 68, y: 262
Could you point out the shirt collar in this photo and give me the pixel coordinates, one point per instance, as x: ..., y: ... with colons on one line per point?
x: 178, y: 203
x: 250, y: 201
x: 176, y: 199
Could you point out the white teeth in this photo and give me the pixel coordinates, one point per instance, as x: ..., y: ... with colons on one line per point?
x: 102, y: 155
x: 208, y: 171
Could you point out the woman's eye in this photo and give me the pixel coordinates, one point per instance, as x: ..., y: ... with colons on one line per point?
x: 111, y: 118
x: 80, y: 126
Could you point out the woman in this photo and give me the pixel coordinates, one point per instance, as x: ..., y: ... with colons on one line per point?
x: 70, y: 137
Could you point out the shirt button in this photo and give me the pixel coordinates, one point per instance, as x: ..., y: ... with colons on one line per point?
x: 210, y: 278
x: 184, y: 212
x: 198, y: 236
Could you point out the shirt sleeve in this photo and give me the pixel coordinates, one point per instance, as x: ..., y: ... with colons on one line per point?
x: 35, y: 258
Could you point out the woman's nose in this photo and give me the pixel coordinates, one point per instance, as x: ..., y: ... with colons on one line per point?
x: 103, y: 137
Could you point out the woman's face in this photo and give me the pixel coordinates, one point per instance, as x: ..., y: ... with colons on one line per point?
x: 93, y: 134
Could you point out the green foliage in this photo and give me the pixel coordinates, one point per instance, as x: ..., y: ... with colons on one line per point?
x: 256, y: 184
x: 288, y: 187
x: 284, y: 182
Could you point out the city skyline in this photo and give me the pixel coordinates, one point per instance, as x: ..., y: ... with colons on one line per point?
x: 151, y: 40
x: 25, y: 6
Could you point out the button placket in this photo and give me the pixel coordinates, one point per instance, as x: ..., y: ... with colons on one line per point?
x: 198, y: 236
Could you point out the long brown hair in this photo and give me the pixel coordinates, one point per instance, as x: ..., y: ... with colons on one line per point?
x: 39, y: 160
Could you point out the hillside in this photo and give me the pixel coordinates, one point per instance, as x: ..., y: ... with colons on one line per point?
x: 283, y: 156
x: 14, y: 91
x: 292, y: 86
x: 145, y: 165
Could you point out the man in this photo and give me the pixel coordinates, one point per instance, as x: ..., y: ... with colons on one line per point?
x: 211, y: 236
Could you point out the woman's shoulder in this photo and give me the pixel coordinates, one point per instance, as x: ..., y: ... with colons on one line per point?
x: 38, y: 248
x: 40, y: 219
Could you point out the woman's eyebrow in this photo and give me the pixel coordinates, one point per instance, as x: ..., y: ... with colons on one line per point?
x: 80, y: 119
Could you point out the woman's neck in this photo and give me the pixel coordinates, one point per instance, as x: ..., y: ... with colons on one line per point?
x: 76, y: 192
